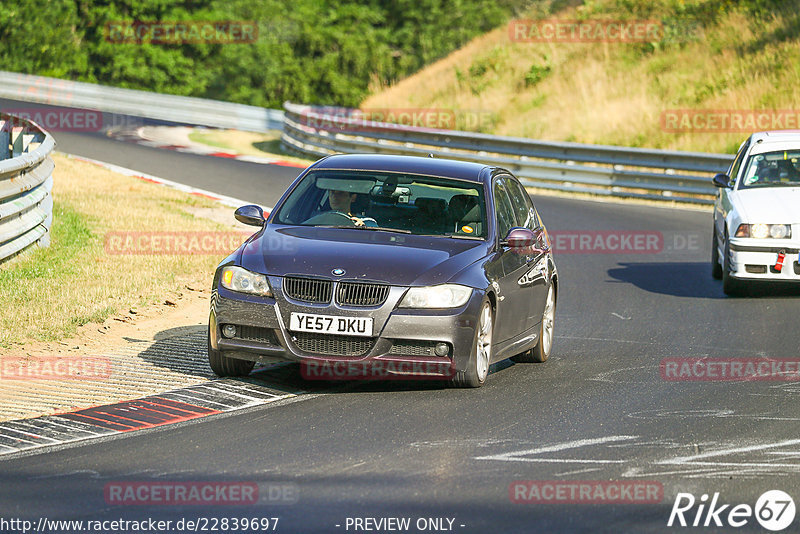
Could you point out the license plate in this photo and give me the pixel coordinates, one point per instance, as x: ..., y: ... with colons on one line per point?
x: 330, y: 324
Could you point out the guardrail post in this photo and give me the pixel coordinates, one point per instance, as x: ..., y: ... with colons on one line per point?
x: 5, y: 140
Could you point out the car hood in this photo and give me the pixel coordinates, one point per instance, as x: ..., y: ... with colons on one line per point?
x: 397, y: 259
x: 771, y: 205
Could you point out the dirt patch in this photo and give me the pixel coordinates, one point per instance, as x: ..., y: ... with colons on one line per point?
x: 143, y: 351
x: 149, y: 345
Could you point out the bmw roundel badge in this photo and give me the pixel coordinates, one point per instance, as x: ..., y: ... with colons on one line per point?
x: 338, y: 272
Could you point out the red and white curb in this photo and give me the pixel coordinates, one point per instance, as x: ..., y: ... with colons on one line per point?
x: 141, y: 137
x: 222, y: 199
x: 171, y: 407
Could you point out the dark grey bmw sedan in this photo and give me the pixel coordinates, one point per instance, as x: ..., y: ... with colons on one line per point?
x: 384, y: 266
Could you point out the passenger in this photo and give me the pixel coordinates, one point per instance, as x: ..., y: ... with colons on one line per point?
x: 787, y: 171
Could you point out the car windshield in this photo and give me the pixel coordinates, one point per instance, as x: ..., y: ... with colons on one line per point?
x: 772, y: 169
x: 408, y: 203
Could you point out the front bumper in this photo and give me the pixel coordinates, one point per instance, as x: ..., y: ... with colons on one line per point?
x: 401, y: 343
x: 752, y: 259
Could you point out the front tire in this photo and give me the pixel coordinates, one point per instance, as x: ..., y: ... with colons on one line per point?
x: 224, y: 366
x: 478, y: 367
x: 716, y: 268
x: 730, y: 285
x: 541, y: 351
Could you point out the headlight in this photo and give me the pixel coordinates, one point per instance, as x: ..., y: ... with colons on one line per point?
x: 764, y: 231
x: 443, y: 296
x: 243, y: 281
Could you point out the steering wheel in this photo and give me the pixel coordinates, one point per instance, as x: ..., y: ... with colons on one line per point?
x: 332, y: 218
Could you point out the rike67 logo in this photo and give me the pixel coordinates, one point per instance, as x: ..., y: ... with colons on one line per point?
x: 774, y: 510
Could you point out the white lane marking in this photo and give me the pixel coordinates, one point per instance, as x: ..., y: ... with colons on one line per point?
x: 605, y: 376
x: 76, y: 427
x: 579, y: 471
x: 708, y: 463
x: 170, y: 395
x: 227, y: 392
x: 515, y: 456
x: 554, y: 460
x: 721, y: 413
x: 737, y: 464
x: 620, y: 316
x: 13, y: 438
x: 735, y: 450
x: 26, y: 433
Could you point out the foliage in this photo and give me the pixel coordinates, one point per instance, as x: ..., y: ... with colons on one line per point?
x: 311, y: 51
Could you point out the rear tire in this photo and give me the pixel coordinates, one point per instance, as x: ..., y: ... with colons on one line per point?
x: 478, y: 367
x: 224, y: 366
x: 541, y: 351
x: 716, y: 268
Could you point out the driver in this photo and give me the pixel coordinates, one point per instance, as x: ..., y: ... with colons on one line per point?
x: 342, y: 201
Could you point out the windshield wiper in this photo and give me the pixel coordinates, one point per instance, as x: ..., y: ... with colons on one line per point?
x: 459, y: 236
x: 381, y: 228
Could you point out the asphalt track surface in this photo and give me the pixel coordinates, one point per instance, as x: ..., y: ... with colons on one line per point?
x: 598, y: 410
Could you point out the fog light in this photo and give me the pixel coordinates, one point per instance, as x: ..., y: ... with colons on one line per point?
x: 229, y: 330
x: 441, y: 349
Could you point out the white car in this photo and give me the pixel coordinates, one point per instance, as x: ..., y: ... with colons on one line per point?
x: 757, y: 213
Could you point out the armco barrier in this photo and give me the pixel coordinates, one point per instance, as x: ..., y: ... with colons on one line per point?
x: 26, y: 179
x: 598, y: 169
x: 170, y: 108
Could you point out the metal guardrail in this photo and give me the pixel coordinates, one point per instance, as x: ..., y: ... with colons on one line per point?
x: 598, y: 169
x: 26, y: 179
x: 170, y: 108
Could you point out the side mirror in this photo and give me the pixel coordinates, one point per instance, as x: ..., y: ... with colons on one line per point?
x: 251, y: 215
x: 721, y: 180
x: 520, y: 237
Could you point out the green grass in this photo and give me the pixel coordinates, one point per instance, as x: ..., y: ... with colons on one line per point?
x: 711, y: 55
x: 47, y: 293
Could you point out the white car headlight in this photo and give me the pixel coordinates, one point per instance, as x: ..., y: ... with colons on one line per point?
x: 243, y: 281
x: 442, y: 296
x: 764, y: 231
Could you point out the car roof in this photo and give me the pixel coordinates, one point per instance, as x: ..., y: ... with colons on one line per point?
x: 449, y: 168
x: 775, y: 140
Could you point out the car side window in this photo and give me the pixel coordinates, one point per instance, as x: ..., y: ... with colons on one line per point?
x: 522, y: 203
x: 737, y: 162
x: 503, y: 208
